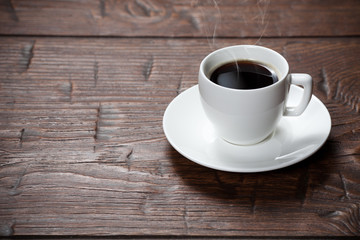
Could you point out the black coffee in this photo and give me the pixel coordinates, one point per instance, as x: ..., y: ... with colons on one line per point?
x: 243, y: 75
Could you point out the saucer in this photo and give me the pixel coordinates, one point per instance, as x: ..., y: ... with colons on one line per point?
x: 190, y: 132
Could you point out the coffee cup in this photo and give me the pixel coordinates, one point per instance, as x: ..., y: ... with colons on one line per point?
x: 244, y: 89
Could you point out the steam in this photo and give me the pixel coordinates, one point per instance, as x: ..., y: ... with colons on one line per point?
x: 263, y: 6
x: 210, y: 31
x: 260, y: 17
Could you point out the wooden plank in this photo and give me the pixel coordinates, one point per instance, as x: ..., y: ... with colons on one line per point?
x: 82, y: 151
x: 167, y: 18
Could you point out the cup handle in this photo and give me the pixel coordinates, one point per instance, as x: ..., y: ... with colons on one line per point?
x: 304, y: 80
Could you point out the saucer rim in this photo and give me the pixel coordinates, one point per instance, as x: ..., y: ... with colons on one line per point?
x: 314, y: 100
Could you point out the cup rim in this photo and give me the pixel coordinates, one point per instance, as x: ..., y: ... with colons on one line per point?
x: 283, y: 77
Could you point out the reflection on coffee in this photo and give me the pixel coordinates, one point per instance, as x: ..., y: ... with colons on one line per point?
x: 244, y: 74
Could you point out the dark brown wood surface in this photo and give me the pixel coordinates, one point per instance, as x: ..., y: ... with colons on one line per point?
x: 179, y: 18
x: 82, y: 150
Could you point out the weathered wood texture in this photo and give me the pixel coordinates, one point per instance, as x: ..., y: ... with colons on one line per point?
x: 227, y: 18
x: 82, y: 150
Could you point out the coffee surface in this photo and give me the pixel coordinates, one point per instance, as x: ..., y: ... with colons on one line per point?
x: 244, y: 75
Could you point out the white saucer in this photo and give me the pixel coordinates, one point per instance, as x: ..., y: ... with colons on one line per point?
x: 189, y: 131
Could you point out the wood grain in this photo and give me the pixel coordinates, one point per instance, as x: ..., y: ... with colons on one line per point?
x: 82, y: 150
x: 190, y: 18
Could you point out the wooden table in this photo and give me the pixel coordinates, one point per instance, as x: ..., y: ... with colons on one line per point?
x: 83, y: 89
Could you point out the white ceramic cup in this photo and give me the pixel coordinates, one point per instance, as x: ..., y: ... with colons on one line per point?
x: 247, y: 117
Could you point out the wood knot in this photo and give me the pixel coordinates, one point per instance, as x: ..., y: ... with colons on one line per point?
x: 146, y: 10
x: 7, y: 230
x: 346, y: 220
